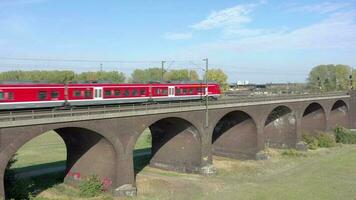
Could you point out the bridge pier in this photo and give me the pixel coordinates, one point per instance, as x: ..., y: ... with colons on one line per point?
x: 125, y: 176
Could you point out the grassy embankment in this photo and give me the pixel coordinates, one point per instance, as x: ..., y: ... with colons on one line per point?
x: 319, y: 174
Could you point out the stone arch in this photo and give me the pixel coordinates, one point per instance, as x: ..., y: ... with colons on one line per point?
x: 235, y: 136
x: 176, y: 145
x: 313, y: 119
x: 280, y: 128
x: 339, y: 115
x: 88, y: 152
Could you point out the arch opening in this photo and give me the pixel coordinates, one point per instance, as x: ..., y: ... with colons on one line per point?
x: 313, y: 119
x: 36, y: 166
x: 280, y: 128
x: 85, y: 153
x: 175, y: 145
x: 235, y: 136
x: 339, y: 115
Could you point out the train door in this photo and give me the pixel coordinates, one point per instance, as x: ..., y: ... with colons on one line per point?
x: 98, y: 93
x: 171, y: 91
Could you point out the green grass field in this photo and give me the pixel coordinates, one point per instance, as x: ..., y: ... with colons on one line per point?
x: 46, y: 148
x: 49, y: 149
x: 320, y: 174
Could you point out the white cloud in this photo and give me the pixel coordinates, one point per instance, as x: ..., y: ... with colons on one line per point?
x: 244, y: 32
x: 336, y: 32
x: 177, y: 36
x: 324, y: 7
x: 234, y: 16
x: 232, y: 21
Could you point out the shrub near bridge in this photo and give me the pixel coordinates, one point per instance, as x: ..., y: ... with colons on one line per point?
x: 319, y: 139
x: 91, y: 187
x: 344, y: 135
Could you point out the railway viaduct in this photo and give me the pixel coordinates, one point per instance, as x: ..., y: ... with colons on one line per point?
x: 102, y: 141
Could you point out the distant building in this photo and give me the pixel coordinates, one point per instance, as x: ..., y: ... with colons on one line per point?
x: 244, y: 87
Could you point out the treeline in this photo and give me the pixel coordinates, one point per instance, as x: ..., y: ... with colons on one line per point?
x: 57, y: 76
x: 137, y: 76
x: 331, y: 78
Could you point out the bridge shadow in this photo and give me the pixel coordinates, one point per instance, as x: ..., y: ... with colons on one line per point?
x: 20, y: 182
x: 141, y: 158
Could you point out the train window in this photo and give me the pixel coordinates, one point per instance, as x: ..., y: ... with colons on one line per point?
x: 11, y: 96
x: 177, y: 91
x: 142, y: 92
x: 107, y: 92
x: 164, y: 91
x: 88, y: 93
x: 191, y: 91
x: 77, y: 93
x: 134, y: 92
x: 42, y: 95
x: 199, y: 90
x: 54, y: 94
x: 117, y: 92
x: 127, y: 92
x: 1, y: 95
x: 185, y: 91
x: 158, y: 91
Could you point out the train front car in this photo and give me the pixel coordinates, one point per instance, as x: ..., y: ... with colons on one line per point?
x: 31, y: 96
x: 214, y: 91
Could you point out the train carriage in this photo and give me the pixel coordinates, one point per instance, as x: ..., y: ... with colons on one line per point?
x: 30, y: 96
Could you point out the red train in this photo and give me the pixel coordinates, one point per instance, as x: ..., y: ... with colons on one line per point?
x: 25, y: 96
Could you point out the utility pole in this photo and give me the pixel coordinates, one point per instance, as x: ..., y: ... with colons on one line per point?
x: 206, y: 93
x: 319, y: 83
x: 101, y: 67
x: 162, y: 70
x: 351, y: 82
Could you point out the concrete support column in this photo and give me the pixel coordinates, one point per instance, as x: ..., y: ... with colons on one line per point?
x: 299, y: 130
x: 327, y: 120
x: 261, y: 138
x: 207, y: 167
x: 352, y: 109
x: 125, y: 176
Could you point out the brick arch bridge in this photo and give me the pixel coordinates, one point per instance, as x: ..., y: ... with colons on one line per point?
x: 103, y: 143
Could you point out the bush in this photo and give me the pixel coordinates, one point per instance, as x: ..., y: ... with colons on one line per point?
x: 344, y: 136
x: 19, y: 189
x: 292, y: 153
x: 320, y: 140
x: 311, y: 141
x: 91, y: 187
x: 326, y: 140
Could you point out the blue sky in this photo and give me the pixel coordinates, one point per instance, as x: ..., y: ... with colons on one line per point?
x: 260, y: 41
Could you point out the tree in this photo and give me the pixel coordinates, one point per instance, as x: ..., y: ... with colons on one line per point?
x: 55, y: 76
x: 181, y: 75
x: 146, y: 75
x: 329, y: 77
x: 219, y: 76
x: 101, y: 76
